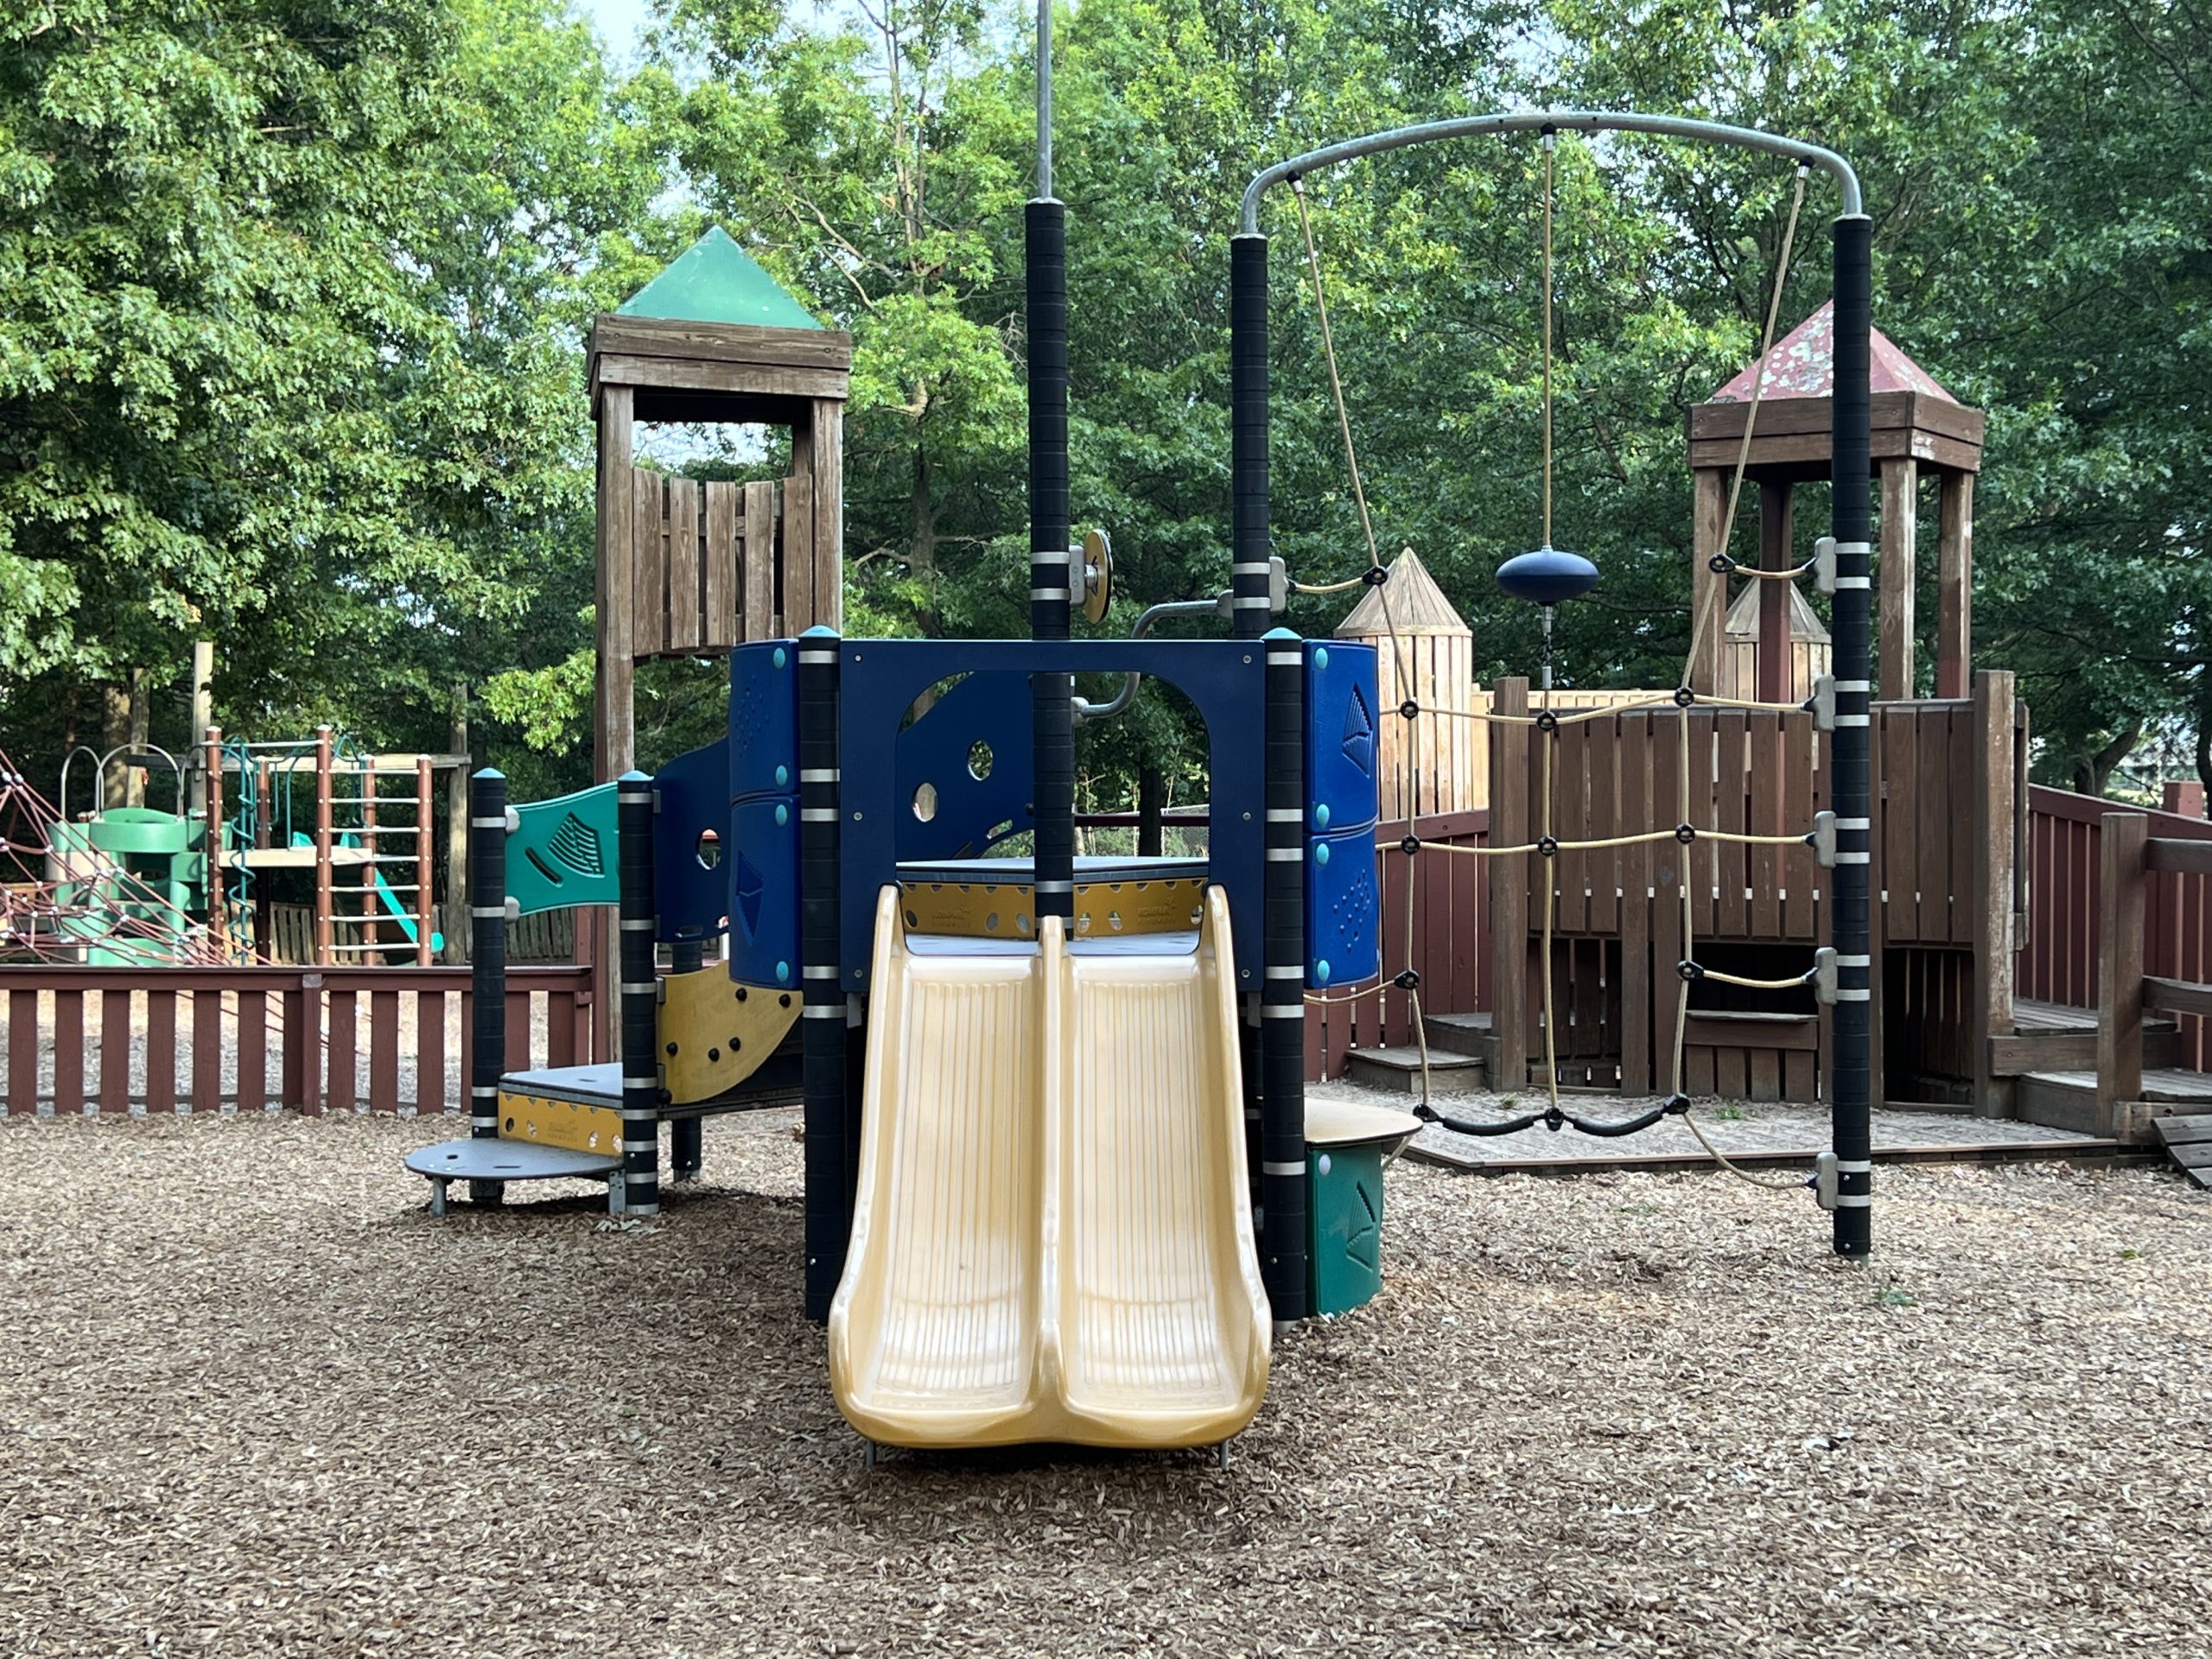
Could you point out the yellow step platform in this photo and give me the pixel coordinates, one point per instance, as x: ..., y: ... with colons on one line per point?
x: 1053, y: 1235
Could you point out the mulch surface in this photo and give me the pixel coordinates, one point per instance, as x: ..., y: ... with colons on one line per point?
x: 253, y: 1400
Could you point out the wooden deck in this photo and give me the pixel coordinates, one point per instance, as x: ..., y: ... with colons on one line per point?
x: 2187, y: 1139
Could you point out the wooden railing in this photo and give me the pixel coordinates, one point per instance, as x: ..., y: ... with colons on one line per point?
x: 1451, y: 949
x: 252, y: 1039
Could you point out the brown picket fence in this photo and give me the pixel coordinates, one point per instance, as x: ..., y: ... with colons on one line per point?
x: 85, y: 1039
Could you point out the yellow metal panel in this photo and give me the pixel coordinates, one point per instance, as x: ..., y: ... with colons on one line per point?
x: 715, y: 1032
x: 994, y: 909
x: 560, y: 1124
x: 1053, y: 1236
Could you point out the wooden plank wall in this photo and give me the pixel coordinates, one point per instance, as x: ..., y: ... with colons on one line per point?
x: 1440, y: 764
x: 2059, y: 963
x: 87, y: 1040
x: 715, y: 563
x: 1450, y: 946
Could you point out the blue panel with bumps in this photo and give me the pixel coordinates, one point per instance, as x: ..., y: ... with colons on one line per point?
x: 1343, y: 742
x: 1343, y: 938
x: 762, y: 861
x: 690, y: 887
x: 763, y: 719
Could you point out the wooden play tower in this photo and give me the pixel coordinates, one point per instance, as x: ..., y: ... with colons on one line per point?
x: 689, y: 568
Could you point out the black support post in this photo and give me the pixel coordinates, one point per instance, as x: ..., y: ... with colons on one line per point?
x: 1852, y: 1127
x: 684, y: 1134
x: 828, y: 1159
x: 488, y: 962
x: 1282, y: 1000
x: 1052, y: 710
x: 639, y: 992
x: 1248, y: 454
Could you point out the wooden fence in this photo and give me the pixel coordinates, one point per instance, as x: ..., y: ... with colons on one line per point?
x: 1451, y: 945
x: 544, y: 936
x: 717, y: 563
x: 252, y: 1039
x: 2059, y: 960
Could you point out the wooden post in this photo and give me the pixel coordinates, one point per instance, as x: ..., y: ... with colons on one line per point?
x: 614, y: 728
x: 211, y: 823
x: 1990, y: 1014
x: 1774, y: 658
x: 1900, y: 492
x: 1509, y: 885
x: 826, y: 458
x: 323, y: 897
x: 456, y: 907
x: 424, y: 862
x: 264, y: 907
x: 1708, y: 588
x: 1954, y: 583
x: 2121, y: 889
x: 364, y: 875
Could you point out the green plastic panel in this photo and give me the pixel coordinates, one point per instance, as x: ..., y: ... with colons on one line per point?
x: 715, y: 280
x: 562, y: 853
x: 1344, y: 1225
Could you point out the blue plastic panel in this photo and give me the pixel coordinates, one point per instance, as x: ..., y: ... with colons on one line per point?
x: 764, y: 913
x: 690, y: 887
x: 764, y: 719
x: 879, y: 680
x: 1344, y: 915
x: 1342, y: 742
x: 969, y: 813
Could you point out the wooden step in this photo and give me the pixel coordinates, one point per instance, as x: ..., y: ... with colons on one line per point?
x: 1399, y: 1070
x: 2068, y: 1100
x: 2075, y: 1050
x: 2188, y: 1138
x: 1461, y: 1033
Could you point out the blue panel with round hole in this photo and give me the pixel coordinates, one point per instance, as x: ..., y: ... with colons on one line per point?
x: 1343, y: 940
x: 1342, y: 736
x: 690, y: 888
x: 761, y: 863
x: 764, y: 719
x: 963, y: 770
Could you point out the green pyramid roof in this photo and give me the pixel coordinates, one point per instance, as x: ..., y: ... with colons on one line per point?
x: 715, y: 280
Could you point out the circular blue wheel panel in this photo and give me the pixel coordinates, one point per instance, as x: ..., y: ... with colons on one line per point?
x: 1549, y: 576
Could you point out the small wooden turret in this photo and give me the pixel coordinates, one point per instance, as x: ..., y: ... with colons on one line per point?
x: 1436, y: 771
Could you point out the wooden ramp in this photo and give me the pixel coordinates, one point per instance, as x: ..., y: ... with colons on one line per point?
x: 2189, y: 1140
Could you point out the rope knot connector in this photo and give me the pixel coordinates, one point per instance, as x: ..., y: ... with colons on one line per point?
x: 1686, y: 833
x: 1375, y: 575
x: 1546, y: 721
x: 1554, y: 1120
x: 1720, y: 563
x: 1684, y: 697
x: 1408, y: 981
x: 1676, y: 1105
x: 1689, y: 970
x: 1410, y: 845
x: 1409, y: 709
x: 1546, y: 846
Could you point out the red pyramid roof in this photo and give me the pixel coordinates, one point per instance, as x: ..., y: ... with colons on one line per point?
x: 1803, y: 365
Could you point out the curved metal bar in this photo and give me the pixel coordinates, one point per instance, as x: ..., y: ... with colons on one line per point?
x: 1430, y: 132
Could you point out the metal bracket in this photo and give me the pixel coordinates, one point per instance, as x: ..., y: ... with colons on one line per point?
x: 1824, y: 975
x: 514, y: 822
x: 1824, y: 565
x: 1826, y: 1179
x: 1823, y: 840
x: 1823, y: 703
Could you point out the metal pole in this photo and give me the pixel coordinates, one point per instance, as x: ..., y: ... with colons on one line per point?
x: 1051, y: 694
x: 210, y: 825
x: 1851, y: 1104
x: 639, y: 1192
x: 1282, y: 999
x: 1669, y: 126
x: 1544, y: 655
x: 422, y: 861
x: 323, y: 897
x: 829, y: 1196
x: 1247, y: 453
x: 488, y: 958
x: 684, y: 1136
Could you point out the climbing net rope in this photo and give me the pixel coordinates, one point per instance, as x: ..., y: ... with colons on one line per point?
x: 1548, y: 723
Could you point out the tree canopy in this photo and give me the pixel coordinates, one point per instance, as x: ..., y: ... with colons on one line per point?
x: 292, y: 295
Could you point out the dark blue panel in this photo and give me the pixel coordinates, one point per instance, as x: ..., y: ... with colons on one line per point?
x: 879, y: 680
x: 1344, y: 917
x: 1342, y: 739
x: 762, y: 719
x: 939, y: 750
x: 691, y: 893
x: 762, y: 864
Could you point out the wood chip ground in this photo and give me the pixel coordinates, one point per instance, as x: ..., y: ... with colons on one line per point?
x: 254, y: 1402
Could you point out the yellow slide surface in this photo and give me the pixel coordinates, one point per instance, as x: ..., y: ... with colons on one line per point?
x: 1053, y: 1237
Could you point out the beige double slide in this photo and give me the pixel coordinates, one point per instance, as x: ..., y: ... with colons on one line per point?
x: 1053, y: 1235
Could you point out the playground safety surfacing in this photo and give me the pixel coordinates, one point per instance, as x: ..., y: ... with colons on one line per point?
x: 255, y: 1402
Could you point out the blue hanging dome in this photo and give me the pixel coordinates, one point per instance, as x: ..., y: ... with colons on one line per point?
x: 1547, y: 576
